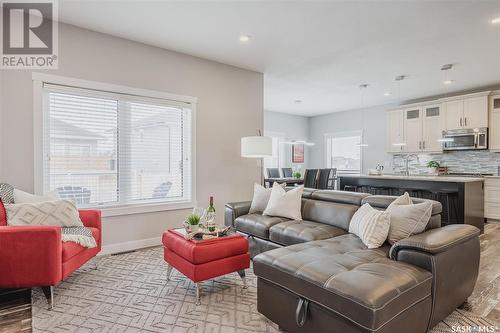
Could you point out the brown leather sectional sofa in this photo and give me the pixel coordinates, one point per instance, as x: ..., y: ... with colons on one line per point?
x: 313, y: 276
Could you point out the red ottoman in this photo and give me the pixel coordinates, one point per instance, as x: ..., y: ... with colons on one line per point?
x: 201, y: 260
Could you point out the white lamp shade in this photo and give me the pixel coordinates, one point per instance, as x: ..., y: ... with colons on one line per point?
x: 256, y: 146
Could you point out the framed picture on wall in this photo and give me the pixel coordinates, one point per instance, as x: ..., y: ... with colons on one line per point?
x: 298, y: 153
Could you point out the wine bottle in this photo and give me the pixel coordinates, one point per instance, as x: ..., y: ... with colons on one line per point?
x: 211, y: 211
x: 211, y: 208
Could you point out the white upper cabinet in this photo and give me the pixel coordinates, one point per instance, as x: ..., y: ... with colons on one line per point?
x: 419, y: 127
x: 467, y: 112
x: 413, y: 129
x: 432, y: 128
x: 395, y: 131
x: 494, y: 128
x: 476, y: 112
x: 454, y: 114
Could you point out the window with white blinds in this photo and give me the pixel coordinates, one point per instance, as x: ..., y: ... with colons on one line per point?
x: 110, y: 149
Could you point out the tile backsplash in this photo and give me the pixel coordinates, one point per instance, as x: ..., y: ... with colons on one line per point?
x: 456, y: 161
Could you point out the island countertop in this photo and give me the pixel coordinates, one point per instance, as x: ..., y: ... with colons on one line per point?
x: 449, y: 179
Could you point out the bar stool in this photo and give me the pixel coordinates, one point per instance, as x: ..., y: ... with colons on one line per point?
x: 351, y: 188
x: 449, y: 196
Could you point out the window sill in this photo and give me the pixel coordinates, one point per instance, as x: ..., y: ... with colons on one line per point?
x: 144, y: 208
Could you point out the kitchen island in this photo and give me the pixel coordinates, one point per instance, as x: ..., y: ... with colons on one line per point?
x: 462, y: 197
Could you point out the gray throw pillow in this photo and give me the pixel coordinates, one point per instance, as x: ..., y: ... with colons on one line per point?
x: 6, y: 193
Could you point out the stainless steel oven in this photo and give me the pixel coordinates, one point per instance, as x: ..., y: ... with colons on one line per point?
x: 465, y: 139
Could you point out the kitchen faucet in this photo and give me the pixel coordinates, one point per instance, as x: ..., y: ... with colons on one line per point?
x: 407, y: 159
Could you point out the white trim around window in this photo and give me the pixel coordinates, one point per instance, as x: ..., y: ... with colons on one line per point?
x: 40, y: 79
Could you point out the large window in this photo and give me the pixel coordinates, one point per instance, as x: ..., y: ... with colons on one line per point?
x: 113, y: 149
x: 343, y: 152
x: 278, y: 159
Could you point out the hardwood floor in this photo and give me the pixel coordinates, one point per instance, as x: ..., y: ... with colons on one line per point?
x: 15, y: 310
x: 485, y: 299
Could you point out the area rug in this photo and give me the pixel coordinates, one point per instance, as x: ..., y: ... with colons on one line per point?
x: 130, y: 293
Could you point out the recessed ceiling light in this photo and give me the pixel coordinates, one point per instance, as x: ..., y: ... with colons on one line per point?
x: 387, y: 94
x: 495, y: 20
x: 447, y: 81
x: 400, y: 77
x: 244, y: 38
x: 297, y: 101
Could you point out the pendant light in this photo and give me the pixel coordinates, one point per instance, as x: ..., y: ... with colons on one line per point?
x: 362, y: 88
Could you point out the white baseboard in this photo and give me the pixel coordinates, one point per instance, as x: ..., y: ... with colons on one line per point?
x: 129, y: 246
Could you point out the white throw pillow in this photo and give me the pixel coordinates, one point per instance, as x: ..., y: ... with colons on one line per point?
x: 404, y: 199
x: 371, y: 225
x: 407, y: 218
x: 57, y: 212
x: 260, y: 198
x: 285, y: 204
x: 25, y: 197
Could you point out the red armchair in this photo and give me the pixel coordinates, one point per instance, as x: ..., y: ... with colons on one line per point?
x: 35, y: 256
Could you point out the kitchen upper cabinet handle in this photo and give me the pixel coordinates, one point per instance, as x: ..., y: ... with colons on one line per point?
x: 420, y: 145
x: 460, y: 121
x: 423, y: 144
x: 465, y: 121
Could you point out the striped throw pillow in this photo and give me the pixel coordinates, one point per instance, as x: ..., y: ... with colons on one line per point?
x: 371, y: 225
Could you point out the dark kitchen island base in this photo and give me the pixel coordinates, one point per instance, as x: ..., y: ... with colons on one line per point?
x: 464, y: 197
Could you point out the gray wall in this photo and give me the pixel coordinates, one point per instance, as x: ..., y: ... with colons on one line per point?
x: 230, y: 105
x: 371, y: 120
x: 294, y: 127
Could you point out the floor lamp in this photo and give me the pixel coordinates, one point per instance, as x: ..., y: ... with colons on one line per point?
x: 257, y: 147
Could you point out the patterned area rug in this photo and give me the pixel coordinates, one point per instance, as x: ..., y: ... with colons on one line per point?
x: 129, y: 293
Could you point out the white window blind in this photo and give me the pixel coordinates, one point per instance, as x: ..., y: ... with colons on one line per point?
x: 109, y: 149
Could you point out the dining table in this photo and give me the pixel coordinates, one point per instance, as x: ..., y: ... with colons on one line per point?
x: 289, y: 181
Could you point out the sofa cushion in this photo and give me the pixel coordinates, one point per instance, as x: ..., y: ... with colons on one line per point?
x: 296, y: 231
x: 71, y: 249
x: 336, y: 214
x: 256, y: 224
x: 352, y: 198
x: 344, y: 276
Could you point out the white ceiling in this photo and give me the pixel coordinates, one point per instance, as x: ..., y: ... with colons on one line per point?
x: 318, y: 51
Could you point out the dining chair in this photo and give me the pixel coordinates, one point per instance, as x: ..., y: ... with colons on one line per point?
x: 323, y: 179
x: 332, y: 181
x: 310, y: 178
x: 273, y: 172
x: 287, y: 172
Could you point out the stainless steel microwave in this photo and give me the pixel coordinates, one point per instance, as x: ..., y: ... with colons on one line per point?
x: 465, y: 139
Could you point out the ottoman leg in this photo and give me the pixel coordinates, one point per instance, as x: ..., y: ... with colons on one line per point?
x: 243, y: 278
x: 169, y: 271
x: 197, y: 293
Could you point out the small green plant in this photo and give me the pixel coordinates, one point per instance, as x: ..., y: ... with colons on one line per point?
x: 193, y: 219
x: 297, y: 174
x: 433, y: 164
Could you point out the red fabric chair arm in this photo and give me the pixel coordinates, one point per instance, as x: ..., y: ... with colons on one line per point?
x: 91, y: 218
x: 30, y: 256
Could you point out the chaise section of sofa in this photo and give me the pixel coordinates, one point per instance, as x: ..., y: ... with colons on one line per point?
x: 314, y: 276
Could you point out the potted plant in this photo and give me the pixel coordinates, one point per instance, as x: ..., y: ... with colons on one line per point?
x: 297, y: 174
x: 433, y: 167
x: 192, y: 222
